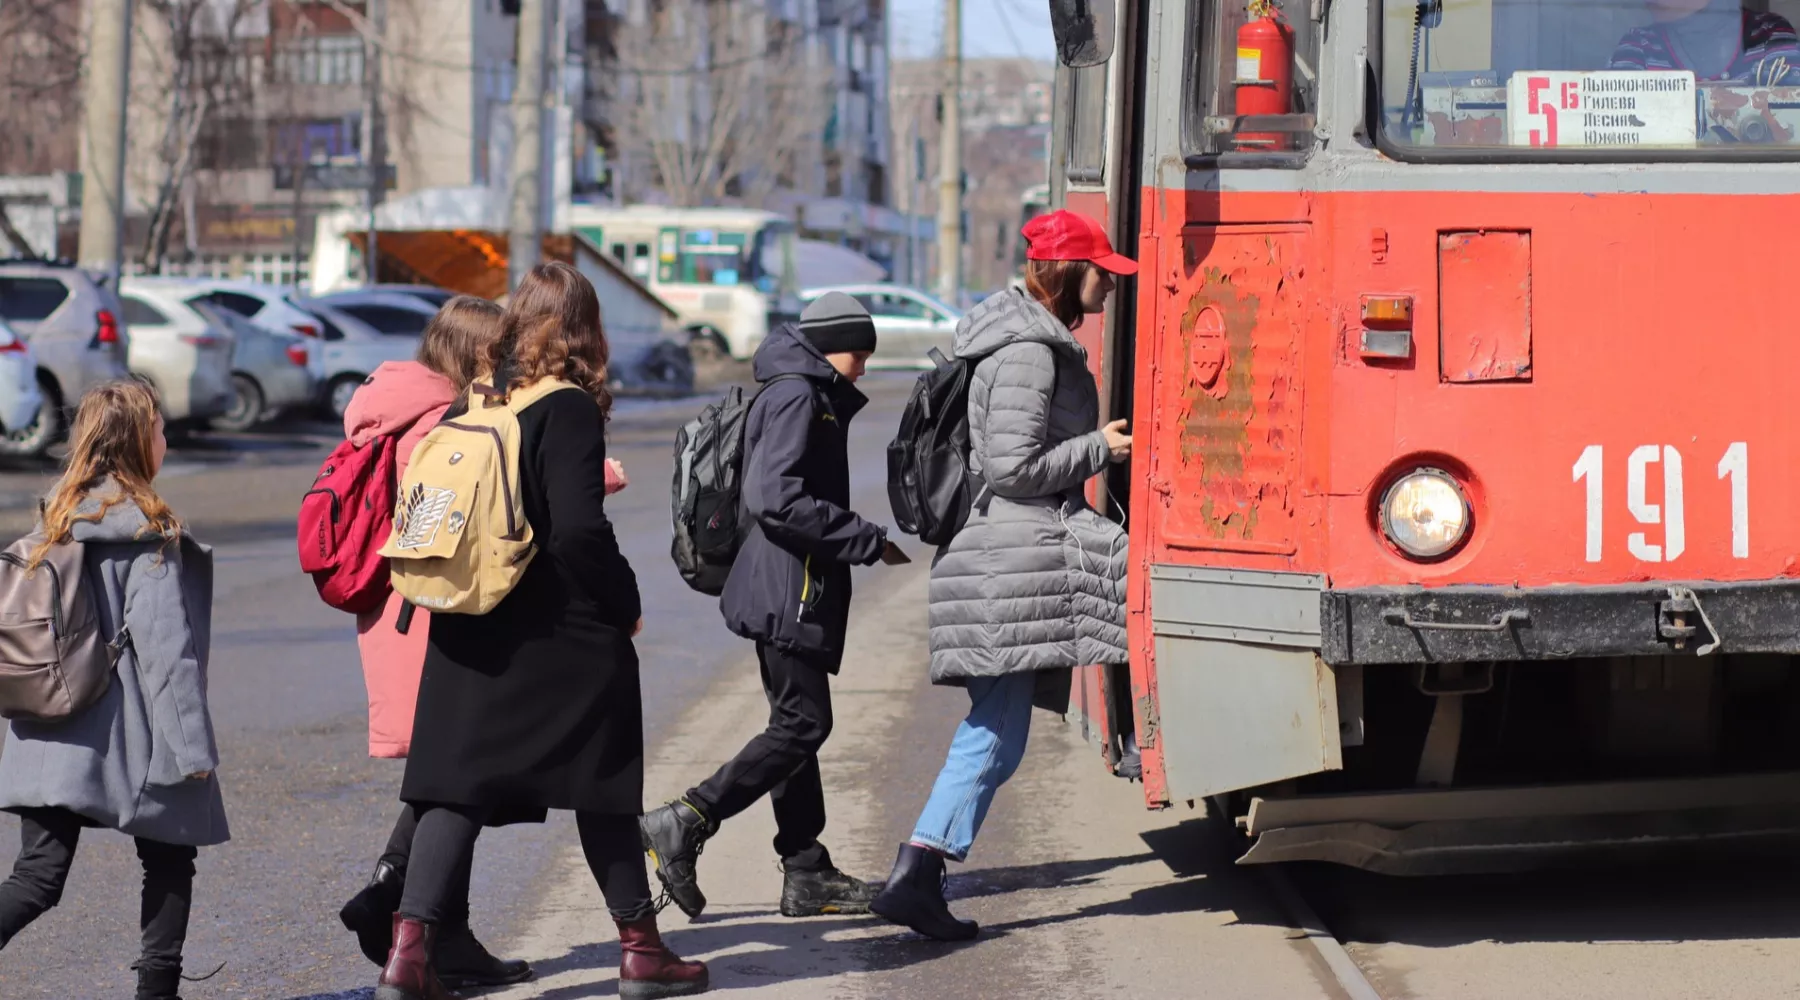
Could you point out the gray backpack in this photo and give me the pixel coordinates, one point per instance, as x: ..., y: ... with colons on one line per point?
x: 53, y: 660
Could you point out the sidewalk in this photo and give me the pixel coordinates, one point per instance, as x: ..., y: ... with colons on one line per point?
x: 1081, y: 891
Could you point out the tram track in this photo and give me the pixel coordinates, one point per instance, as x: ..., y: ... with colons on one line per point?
x: 1344, y: 971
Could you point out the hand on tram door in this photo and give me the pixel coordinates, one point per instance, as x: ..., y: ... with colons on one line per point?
x: 1117, y: 441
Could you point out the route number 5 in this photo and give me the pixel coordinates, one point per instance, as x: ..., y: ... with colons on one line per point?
x: 1671, y: 513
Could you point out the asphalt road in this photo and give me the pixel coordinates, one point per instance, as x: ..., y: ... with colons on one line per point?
x: 1083, y: 893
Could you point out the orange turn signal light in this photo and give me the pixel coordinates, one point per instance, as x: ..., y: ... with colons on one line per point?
x: 1387, y: 309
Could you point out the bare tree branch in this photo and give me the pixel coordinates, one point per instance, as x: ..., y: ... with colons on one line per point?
x: 730, y: 130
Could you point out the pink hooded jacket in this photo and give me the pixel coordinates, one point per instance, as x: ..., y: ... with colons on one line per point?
x: 404, y: 398
x: 408, y: 399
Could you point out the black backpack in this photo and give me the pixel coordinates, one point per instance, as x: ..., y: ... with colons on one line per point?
x: 706, y: 500
x: 929, y: 485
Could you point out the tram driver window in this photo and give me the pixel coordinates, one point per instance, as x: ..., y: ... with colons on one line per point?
x: 1591, y: 74
x: 1255, y: 67
x: 1087, y: 126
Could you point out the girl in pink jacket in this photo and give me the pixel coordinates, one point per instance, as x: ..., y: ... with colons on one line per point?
x: 406, y: 399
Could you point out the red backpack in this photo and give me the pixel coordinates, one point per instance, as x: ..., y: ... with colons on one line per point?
x: 344, y: 520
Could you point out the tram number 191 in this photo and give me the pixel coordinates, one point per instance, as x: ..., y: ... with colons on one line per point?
x: 1670, y: 513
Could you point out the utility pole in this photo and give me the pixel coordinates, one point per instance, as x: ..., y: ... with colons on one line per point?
x: 103, y: 152
x: 374, y: 146
x: 525, y: 240
x: 950, y: 161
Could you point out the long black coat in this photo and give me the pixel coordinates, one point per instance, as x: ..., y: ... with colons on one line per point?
x: 790, y: 583
x: 536, y: 704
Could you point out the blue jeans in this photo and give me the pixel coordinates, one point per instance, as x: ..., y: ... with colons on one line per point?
x: 985, y: 752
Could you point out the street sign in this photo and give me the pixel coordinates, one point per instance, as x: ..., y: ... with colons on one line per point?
x: 333, y: 176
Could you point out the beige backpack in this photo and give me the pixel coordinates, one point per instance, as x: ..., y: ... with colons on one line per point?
x: 460, y: 541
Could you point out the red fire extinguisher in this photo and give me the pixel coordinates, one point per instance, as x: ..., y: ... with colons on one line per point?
x: 1265, y: 73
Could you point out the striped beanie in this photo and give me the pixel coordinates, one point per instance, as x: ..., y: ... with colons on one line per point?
x: 836, y: 323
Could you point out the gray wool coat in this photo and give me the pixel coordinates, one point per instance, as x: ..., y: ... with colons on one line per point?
x: 122, y: 762
x: 1035, y: 581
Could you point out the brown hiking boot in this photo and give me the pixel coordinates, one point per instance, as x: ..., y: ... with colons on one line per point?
x: 408, y: 974
x: 648, y: 969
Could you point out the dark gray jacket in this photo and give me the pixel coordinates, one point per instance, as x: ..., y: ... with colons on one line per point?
x: 790, y: 584
x: 1036, y: 578
x: 123, y: 762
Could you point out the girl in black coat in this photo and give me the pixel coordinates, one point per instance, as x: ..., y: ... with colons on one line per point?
x: 535, y: 705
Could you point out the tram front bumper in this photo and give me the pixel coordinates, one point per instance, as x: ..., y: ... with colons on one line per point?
x: 1472, y: 624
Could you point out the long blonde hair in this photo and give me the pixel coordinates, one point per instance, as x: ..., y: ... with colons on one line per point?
x: 114, y: 436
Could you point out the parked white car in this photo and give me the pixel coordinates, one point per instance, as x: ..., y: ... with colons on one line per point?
x: 271, y: 371
x: 359, y: 335
x: 181, y: 352
x: 908, y: 322
x: 19, y: 393
x: 268, y: 306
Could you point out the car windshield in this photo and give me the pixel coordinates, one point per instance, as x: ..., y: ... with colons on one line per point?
x: 1590, y: 74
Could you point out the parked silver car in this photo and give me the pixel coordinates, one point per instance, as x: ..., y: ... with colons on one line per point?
x: 271, y: 371
x: 72, y: 322
x: 431, y: 294
x: 184, y: 354
x: 20, y: 396
x: 908, y: 322
x: 358, y: 332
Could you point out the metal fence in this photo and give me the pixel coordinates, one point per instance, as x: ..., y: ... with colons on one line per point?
x: 268, y: 268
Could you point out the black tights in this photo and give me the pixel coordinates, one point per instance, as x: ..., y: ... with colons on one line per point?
x: 399, y: 855
x: 47, y: 851
x: 445, y: 843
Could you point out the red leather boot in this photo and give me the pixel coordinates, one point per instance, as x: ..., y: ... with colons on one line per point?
x: 648, y: 969
x: 408, y: 974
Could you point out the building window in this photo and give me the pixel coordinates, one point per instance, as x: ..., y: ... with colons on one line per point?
x: 322, y: 60
x: 230, y: 143
x: 316, y: 139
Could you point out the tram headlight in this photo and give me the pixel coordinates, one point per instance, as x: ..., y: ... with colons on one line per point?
x: 1425, y: 513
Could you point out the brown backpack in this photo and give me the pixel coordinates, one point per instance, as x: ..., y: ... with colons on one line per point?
x: 53, y: 660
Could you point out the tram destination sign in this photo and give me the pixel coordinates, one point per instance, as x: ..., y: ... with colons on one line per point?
x: 1601, y: 108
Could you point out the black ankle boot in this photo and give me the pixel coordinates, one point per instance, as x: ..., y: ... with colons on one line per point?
x: 461, y: 960
x: 159, y: 983
x: 673, y: 836
x: 370, y: 913
x: 914, y: 897
x: 813, y: 892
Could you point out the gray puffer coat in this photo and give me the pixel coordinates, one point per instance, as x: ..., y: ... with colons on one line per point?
x: 1035, y: 581
x: 123, y: 761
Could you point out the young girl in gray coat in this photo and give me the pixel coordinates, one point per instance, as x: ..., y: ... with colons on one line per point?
x: 140, y: 760
x: 1034, y: 583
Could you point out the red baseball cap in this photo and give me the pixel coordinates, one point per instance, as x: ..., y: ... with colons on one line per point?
x: 1065, y: 235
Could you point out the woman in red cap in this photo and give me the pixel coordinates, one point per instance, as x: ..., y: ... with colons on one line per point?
x: 1034, y: 583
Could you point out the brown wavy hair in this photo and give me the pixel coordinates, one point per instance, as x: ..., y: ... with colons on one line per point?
x: 552, y: 330
x: 113, y: 436
x: 456, y: 341
x: 1056, y: 285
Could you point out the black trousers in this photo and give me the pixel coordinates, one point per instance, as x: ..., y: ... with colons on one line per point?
x: 46, y: 852
x: 444, y: 847
x: 782, y: 761
x: 399, y: 854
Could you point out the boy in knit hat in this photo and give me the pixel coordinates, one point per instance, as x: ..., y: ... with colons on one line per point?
x: 789, y: 590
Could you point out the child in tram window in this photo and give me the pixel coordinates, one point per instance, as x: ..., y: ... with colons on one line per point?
x: 1717, y: 40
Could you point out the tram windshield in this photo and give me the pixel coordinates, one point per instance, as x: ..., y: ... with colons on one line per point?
x: 1591, y: 74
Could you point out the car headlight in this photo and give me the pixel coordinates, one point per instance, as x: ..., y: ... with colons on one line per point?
x: 1425, y: 513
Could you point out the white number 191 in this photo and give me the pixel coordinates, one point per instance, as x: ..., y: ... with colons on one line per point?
x: 1671, y: 512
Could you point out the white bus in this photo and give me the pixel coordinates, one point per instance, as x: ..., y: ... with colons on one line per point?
x: 729, y: 273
